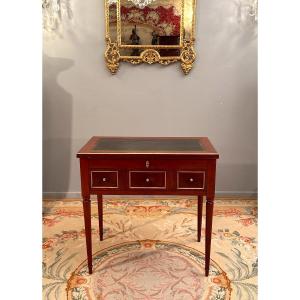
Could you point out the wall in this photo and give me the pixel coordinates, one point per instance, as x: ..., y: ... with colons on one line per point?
x: 218, y: 99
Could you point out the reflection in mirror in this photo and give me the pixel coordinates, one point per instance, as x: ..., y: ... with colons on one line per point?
x: 131, y: 52
x: 112, y: 9
x: 157, y: 23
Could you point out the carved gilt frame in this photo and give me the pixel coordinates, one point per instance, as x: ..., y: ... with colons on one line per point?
x: 149, y: 55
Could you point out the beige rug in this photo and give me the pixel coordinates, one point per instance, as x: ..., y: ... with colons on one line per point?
x: 150, y: 250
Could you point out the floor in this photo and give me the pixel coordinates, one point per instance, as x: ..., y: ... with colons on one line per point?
x: 150, y: 250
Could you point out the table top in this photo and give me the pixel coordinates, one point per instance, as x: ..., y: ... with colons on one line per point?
x: 148, y: 145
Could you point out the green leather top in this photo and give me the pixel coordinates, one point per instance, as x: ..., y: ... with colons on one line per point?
x: 149, y: 145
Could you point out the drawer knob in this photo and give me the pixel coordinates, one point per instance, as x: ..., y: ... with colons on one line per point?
x: 147, y: 163
x: 147, y: 179
x: 191, y: 179
x: 103, y: 179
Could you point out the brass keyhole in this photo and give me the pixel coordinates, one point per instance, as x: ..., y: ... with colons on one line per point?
x: 147, y: 163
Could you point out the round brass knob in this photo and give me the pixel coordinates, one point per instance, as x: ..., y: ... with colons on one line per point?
x: 103, y: 179
x: 191, y: 179
x: 147, y: 179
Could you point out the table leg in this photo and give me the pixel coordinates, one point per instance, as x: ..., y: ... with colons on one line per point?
x: 88, y: 231
x: 208, y: 232
x: 200, y: 206
x: 100, y: 215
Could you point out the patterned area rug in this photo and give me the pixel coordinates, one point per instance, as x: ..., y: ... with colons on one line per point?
x: 150, y: 250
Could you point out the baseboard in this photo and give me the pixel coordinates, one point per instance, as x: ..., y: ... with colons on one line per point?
x: 61, y: 195
x: 237, y: 194
x: 74, y: 195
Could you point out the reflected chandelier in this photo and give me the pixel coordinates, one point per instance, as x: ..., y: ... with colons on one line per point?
x: 139, y: 3
x: 54, y: 13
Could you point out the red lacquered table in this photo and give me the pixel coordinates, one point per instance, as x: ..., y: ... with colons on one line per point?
x: 148, y: 166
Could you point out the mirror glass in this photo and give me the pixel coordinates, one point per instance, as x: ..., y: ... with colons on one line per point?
x: 112, y: 19
x: 150, y: 22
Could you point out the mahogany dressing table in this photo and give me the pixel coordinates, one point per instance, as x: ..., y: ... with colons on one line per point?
x: 148, y: 166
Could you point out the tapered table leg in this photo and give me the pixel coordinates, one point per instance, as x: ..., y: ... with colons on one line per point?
x: 208, y: 232
x: 199, y: 218
x: 88, y: 231
x: 100, y: 215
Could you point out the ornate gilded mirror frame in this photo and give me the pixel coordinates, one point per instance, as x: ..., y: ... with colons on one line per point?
x: 116, y: 51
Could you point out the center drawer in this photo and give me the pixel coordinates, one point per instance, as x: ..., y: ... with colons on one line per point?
x: 147, y: 179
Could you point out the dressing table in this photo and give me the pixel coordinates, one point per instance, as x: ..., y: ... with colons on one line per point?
x: 148, y: 166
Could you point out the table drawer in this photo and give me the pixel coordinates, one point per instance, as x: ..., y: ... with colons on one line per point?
x: 190, y: 180
x: 149, y: 164
x: 147, y: 179
x: 104, y: 179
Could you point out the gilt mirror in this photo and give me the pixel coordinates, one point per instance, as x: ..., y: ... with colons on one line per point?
x: 150, y: 31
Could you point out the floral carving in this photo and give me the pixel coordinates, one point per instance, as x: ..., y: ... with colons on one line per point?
x: 150, y: 56
x: 112, y: 56
x: 167, y: 61
x: 135, y: 61
x: 187, y: 56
